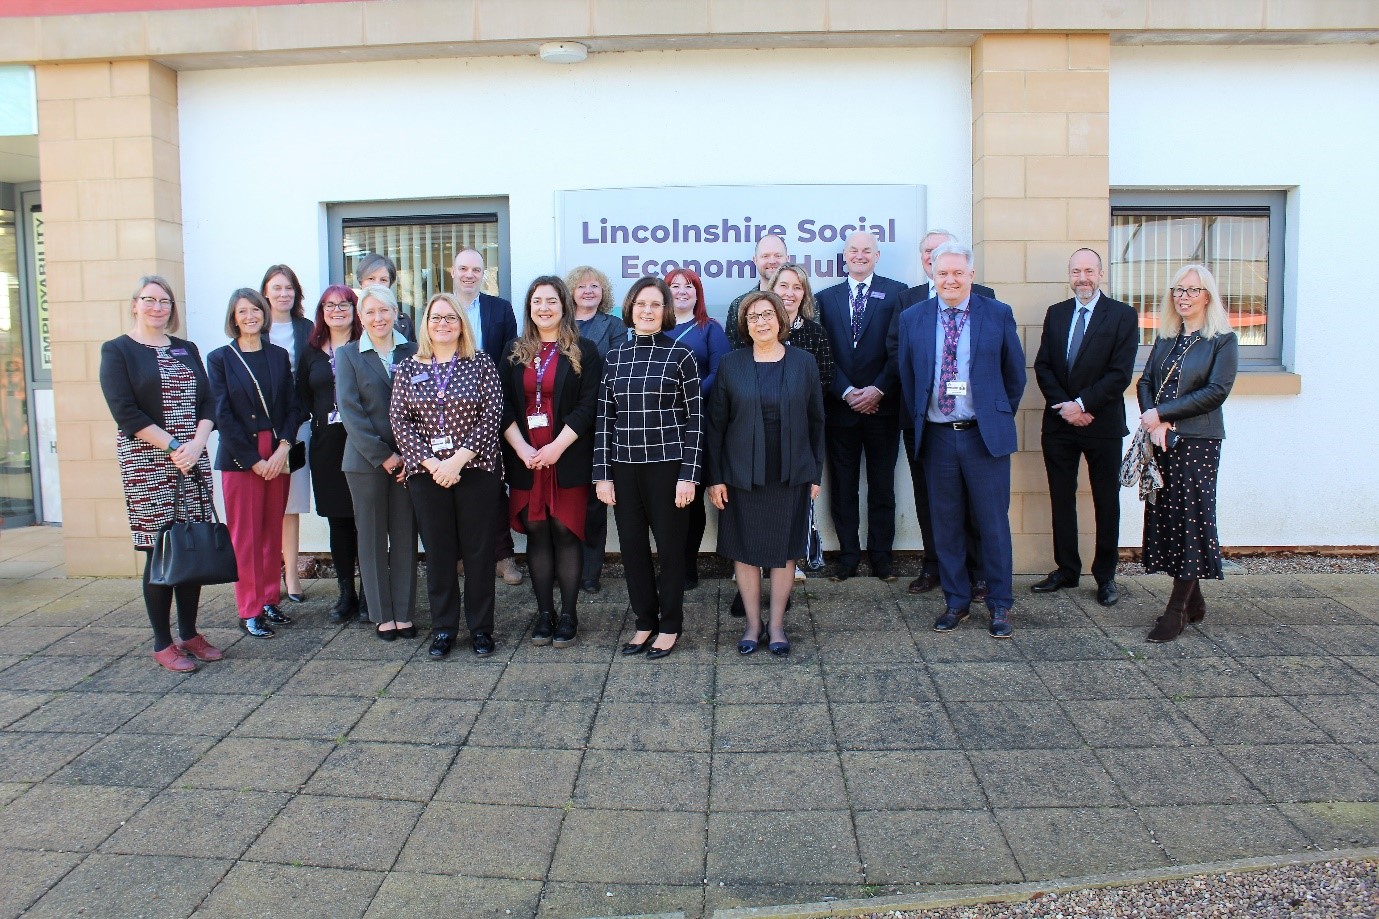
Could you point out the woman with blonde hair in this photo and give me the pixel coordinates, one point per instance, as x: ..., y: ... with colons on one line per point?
x: 447, y: 408
x: 1188, y: 376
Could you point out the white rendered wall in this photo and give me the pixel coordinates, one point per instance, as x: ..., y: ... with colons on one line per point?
x: 1296, y: 470
x: 265, y: 149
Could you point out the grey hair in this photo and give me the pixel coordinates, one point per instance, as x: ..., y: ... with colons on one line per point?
x: 380, y: 293
x: 953, y: 247
x: 938, y: 231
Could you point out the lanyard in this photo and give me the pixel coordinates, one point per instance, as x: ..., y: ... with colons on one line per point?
x: 541, y: 366
x: 442, y: 383
x: 960, y: 323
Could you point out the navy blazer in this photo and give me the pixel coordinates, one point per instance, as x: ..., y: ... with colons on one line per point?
x: 238, y: 410
x: 916, y: 294
x: 133, y: 387
x: 865, y: 364
x: 573, y: 403
x: 737, y: 434
x: 499, y: 326
x: 996, y: 376
x: 1100, y: 373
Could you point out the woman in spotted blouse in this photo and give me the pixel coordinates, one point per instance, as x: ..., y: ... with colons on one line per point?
x: 647, y: 460
x: 446, y: 411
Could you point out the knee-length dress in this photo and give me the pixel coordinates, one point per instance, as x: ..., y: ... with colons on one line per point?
x: 147, y: 473
x: 546, y: 497
x: 1180, y: 536
x: 768, y: 525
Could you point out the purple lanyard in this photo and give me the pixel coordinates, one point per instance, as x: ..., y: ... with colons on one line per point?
x: 442, y: 383
x: 541, y: 366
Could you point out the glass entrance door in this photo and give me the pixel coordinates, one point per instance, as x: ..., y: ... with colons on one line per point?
x: 16, y: 438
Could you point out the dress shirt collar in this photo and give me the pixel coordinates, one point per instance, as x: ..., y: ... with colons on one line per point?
x: 366, y: 343
x: 853, y: 285
x: 966, y: 302
x: 1089, y: 306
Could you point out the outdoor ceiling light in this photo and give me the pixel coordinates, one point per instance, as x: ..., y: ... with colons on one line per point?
x: 563, y: 52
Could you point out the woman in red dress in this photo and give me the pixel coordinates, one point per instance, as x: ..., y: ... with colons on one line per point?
x: 550, y: 400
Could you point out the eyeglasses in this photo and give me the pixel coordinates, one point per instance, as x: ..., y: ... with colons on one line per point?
x: 154, y: 301
x: 1189, y: 291
x: 443, y: 319
x: 336, y: 307
x: 753, y: 318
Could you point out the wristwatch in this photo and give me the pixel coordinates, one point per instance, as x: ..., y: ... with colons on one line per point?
x: 173, y: 446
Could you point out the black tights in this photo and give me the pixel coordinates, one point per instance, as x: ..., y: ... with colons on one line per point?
x: 553, y: 553
x: 344, y: 547
x: 158, y: 602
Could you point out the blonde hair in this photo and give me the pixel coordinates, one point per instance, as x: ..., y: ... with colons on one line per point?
x: 578, y: 274
x: 807, y: 303
x: 465, y: 345
x: 1216, y: 321
x: 174, y: 323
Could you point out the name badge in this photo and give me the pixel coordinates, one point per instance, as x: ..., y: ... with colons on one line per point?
x: 179, y: 352
x: 879, y: 294
x: 956, y: 388
x: 537, y: 421
x: 439, y: 444
x: 421, y: 377
x: 333, y: 418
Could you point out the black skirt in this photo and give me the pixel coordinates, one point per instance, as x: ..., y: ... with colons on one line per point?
x: 327, y: 453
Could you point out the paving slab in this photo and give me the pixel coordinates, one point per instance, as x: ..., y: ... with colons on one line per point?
x: 551, y: 682
x: 911, y: 779
x: 199, y: 823
x: 257, y: 764
x: 409, y: 895
x: 565, y: 899
x: 649, y: 726
x: 404, y: 772
x: 1013, y: 726
x: 799, y: 847
x: 84, y: 713
x: 34, y: 757
x: 1060, y: 842
x: 1196, y: 833
x: 124, y: 886
x: 1031, y: 778
x: 1133, y: 723
x: 519, y: 776
x: 1177, y: 775
x: 482, y: 840
x: 28, y: 875
x: 1336, y: 824
x: 1252, y: 719
x: 74, y: 818
x: 1303, y: 773
x: 938, y: 846
x: 283, y: 715
x: 264, y: 891
x: 643, y: 780
x: 143, y: 760
x: 623, y: 846
x: 864, y: 683
x: 332, y: 832
x: 558, y: 725
x: 1347, y: 719
x: 743, y: 728
x: 775, y: 781
x: 210, y: 715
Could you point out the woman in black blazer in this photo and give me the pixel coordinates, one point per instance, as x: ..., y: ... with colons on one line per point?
x: 1188, y: 376
x: 257, y: 414
x: 550, y: 401
x: 766, y: 451
x: 161, y: 401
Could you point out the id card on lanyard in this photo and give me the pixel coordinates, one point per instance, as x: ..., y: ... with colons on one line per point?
x: 334, y: 416
x: 539, y: 418
x: 443, y: 441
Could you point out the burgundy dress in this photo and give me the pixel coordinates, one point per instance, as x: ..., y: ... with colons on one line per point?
x: 546, y: 497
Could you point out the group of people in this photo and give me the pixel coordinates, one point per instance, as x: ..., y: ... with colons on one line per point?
x: 461, y: 429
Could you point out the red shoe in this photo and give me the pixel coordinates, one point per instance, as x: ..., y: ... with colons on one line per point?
x: 199, y: 648
x: 172, y: 659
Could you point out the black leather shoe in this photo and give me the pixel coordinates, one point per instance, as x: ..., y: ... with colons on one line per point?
x: 541, y: 632
x: 406, y: 631
x: 441, y: 643
x: 1108, y: 594
x: 654, y: 654
x: 297, y: 598
x: 483, y: 644
x: 1055, y: 581
x: 738, y: 610
x: 979, y: 591
x: 386, y: 634
x: 275, y: 615
x: 566, y: 630
x: 636, y: 647
x: 883, y: 573
x: 256, y: 628
x: 1000, y: 626
x: 590, y: 585
x: 922, y: 584
x: 950, y: 619
x: 842, y: 573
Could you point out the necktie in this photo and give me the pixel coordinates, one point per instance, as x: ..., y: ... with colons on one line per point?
x: 1079, y: 329
x: 859, y: 303
x: 949, y: 371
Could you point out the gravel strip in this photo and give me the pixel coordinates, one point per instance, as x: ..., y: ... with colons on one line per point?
x: 1322, y: 890
x: 1284, y: 563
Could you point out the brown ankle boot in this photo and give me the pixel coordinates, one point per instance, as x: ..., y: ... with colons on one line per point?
x: 1171, y: 624
x: 1196, y: 606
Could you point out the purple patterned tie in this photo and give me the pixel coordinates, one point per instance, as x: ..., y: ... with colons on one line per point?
x: 859, y: 304
x: 952, y: 329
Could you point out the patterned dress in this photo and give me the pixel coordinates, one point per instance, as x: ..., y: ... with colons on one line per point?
x: 147, y: 473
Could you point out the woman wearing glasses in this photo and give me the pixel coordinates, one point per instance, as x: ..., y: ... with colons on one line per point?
x: 550, y: 386
x: 766, y: 448
x: 336, y: 325
x: 1188, y: 376
x: 372, y: 464
x: 446, y: 411
x: 161, y: 400
x: 647, y: 460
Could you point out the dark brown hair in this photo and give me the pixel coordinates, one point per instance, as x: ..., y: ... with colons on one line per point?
x: 667, y: 314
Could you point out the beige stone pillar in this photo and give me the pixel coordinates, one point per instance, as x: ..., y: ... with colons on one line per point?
x: 111, y: 188
x: 1040, y: 188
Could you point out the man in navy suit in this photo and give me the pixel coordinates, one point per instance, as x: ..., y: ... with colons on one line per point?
x: 962, y: 372
x: 928, y: 573
x: 859, y: 416
x: 495, y: 325
x: 1085, y: 361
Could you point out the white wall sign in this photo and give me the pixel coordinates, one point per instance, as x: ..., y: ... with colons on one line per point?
x: 713, y: 229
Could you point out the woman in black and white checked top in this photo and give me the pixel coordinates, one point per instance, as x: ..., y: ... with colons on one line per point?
x: 647, y: 460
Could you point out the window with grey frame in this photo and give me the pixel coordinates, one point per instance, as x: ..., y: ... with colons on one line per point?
x: 421, y: 237
x: 1239, y: 236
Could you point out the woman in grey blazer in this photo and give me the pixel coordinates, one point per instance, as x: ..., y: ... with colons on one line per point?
x: 766, y: 449
x: 373, y: 467
x: 593, y: 296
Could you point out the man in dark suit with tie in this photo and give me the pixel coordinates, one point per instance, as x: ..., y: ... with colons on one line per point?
x: 928, y: 573
x: 860, y: 417
x: 494, y: 323
x: 962, y: 372
x: 1085, y: 361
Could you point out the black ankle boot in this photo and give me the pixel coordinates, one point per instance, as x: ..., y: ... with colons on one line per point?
x: 545, y: 624
x: 347, y: 606
x: 1196, y: 605
x: 565, y: 630
x: 1171, y: 624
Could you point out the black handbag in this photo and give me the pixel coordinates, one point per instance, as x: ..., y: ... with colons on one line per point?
x: 296, y: 456
x: 188, y: 551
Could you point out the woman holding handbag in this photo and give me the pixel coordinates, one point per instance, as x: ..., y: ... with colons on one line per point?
x: 1188, y: 376
x: 257, y: 413
x: 160, y: 398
